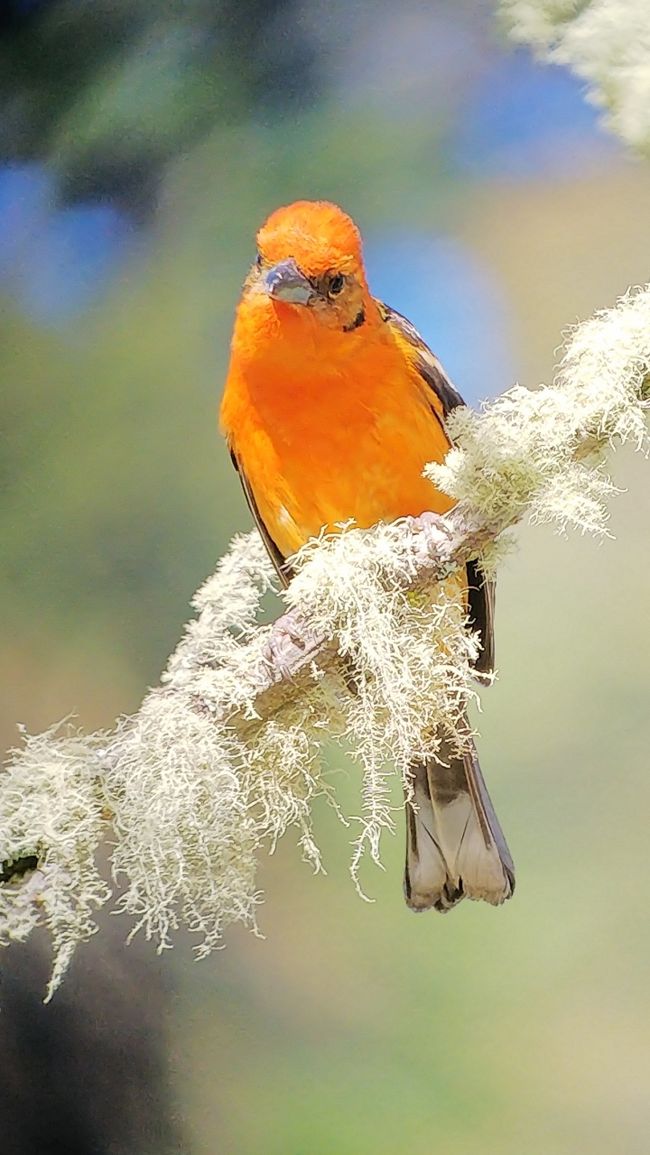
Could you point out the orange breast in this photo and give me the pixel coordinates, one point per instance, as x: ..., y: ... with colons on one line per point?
x: 326, y: 440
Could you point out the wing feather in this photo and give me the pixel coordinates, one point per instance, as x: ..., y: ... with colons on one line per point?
x: 428, y: 365
x: 276, y: 557
x: 481, y: 591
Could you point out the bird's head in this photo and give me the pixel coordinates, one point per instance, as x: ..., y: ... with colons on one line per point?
x: 309, y: 258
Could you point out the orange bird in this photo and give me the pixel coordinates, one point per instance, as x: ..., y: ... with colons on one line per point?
x: 333, y: 405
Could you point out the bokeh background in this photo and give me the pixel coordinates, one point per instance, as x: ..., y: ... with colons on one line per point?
x: 141, y: 144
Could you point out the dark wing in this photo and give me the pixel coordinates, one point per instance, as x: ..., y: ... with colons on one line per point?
x: 276, y: 557
x: 481, y: 591
x: 427, y: 362
x: 481, y: 596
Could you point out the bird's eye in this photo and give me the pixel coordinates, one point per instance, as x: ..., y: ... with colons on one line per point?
x: 259, y: 260
x: 336, y: 285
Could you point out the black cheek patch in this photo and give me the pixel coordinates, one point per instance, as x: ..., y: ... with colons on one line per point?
x: 358, y: 320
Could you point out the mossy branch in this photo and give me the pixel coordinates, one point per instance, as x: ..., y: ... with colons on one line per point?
x: 223, y: 757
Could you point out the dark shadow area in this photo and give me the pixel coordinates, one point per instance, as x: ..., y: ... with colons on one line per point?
x: 89, y: 1073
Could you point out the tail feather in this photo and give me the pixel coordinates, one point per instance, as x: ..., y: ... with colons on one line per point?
x: 454, y: 844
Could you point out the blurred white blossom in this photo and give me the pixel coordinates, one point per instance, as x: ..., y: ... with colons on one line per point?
x: 605, y: 42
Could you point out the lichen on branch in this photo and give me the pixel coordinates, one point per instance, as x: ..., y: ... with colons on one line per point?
x: 224, y: 756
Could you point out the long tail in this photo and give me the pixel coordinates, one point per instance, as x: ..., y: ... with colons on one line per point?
x: 454, y: 844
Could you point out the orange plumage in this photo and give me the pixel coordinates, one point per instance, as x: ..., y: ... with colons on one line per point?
x: 328, y: 425
x: 333, y: 405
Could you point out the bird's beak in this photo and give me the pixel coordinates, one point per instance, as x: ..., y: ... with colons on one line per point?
x: 285, y: 282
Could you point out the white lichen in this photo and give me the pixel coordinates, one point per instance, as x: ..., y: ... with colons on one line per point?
x: 224, y: 757
x: 407, y: 655
x: 51, y: 817
x: 605, y: 42
x: 546, y: 447
x: 192, y: 802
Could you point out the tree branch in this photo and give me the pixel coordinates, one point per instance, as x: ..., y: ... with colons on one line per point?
x: 224, y: 756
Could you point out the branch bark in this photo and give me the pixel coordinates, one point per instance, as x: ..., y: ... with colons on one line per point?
x: 438, y: 544
x: 222, y: 757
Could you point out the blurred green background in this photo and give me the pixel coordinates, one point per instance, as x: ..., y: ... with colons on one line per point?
x: 141, y: 145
